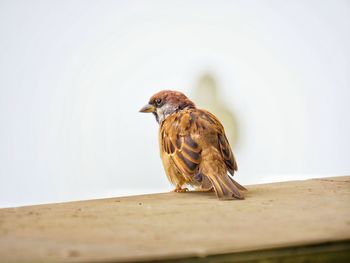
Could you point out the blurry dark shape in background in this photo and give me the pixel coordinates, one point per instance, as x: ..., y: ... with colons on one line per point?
x: 207, y: 95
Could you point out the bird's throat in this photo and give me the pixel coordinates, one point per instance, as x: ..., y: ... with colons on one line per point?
x: 156, y: 116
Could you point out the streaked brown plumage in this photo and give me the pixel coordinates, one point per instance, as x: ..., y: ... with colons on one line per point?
x: 193, y: 146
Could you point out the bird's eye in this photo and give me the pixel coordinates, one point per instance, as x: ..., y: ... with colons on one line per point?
x: 158, y: 102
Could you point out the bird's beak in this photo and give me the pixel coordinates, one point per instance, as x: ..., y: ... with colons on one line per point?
x: 148, y: 108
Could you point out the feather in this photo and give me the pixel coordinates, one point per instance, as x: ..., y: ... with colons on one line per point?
x: 193, y: 146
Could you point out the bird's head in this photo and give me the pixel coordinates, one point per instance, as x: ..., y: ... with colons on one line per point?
x: 165, y: 103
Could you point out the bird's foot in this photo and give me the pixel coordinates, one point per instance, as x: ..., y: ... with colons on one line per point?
x: 178, y: 189
x: 181, y: 190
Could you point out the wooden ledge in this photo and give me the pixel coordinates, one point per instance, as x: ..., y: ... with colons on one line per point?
x: 275, y: 220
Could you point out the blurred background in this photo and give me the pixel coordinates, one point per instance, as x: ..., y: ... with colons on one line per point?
x: 75, y: 73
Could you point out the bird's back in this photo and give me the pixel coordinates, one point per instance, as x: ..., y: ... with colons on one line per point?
x: 194, y: 146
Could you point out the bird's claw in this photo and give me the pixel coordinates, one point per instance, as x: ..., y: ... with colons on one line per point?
x: 180, y: 190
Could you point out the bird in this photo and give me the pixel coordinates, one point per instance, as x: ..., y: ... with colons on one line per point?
x: 193, y: 146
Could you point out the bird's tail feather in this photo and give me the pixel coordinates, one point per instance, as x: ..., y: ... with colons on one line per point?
x: 240, y: 187
x: 215, y: 169
x: 226, y: 188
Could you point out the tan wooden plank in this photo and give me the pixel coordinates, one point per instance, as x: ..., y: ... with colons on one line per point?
x: 178, y: 225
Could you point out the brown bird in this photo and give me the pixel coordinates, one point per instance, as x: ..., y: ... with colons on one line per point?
x: 193, y: 146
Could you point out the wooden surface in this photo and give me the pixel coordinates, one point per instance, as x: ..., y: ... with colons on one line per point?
x: 180, y: 225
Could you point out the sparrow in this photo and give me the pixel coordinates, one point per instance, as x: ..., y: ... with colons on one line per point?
x: 193, y: 146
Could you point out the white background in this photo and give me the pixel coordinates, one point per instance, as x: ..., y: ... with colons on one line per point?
x: 73, y: 75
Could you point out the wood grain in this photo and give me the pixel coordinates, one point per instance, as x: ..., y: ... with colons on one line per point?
x: 178, y: 225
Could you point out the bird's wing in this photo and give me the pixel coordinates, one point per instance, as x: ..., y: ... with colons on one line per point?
x: 220, y: 160
x: 223, y: 145
x: 178, y: 142
x: 179, y: 135
x: 187, y: 137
